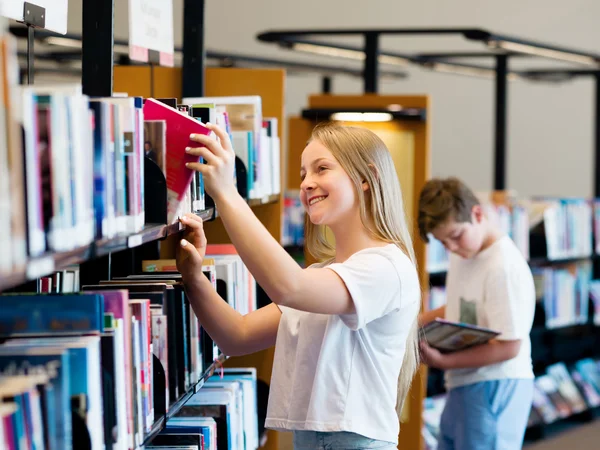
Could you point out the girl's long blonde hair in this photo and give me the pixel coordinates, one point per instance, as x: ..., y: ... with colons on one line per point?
x: 364, y: 157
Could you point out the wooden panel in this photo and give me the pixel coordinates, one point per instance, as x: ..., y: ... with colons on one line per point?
x: 133, y: 80
x: 167, y: 82
x: 367, y: 101
x: 299, y: 131
x: 143, y: 81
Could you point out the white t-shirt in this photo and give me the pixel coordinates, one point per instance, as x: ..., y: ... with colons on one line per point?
x: 340, y: 372
x: 494, y: 289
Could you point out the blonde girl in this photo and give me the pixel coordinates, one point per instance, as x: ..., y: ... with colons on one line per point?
x: 345, y: 329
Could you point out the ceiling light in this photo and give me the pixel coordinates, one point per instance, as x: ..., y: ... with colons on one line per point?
x: 467, y: 70
x: 357, y: 55
x: 362, y: 117
x: 330, y: 51
x: 543, y: 52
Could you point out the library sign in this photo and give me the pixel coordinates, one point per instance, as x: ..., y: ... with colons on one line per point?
x: 48, y: 14
x: 151, y: 31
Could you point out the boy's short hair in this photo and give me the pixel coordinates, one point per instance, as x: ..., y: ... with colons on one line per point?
x: 442, y: 199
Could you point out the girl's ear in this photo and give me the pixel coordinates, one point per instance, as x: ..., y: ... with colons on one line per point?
x: 365, y: 184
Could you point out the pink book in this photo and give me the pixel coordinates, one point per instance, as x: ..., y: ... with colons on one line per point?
x: 117, y: 302
x: 179, y: 128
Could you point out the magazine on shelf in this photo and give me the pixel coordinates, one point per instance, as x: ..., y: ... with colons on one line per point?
x: 447, y: 336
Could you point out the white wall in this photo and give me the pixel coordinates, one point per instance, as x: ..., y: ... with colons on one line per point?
x: 550, y: 127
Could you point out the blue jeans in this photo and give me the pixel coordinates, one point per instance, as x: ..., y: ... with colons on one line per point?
x: 490, y: 415
x: 338, y: 440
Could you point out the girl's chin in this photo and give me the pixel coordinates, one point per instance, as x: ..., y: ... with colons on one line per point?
x: 316, y: 219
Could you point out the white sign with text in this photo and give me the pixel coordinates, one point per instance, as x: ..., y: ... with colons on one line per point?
x: 151, y: 28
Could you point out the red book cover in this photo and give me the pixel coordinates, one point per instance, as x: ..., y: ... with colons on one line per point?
x: 179, y: 128
x: 221, y: 249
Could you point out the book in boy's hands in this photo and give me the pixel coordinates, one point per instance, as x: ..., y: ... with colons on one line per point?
x: 447, y: 336
x: 179, y: 127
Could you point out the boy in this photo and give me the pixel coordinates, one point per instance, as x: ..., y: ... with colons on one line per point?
x: 490, y: 284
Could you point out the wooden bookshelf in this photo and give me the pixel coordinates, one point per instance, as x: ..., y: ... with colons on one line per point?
x: 409, y: 143
x: 269, y: 84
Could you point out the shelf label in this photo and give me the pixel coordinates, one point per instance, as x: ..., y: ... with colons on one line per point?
x: 54, y: 15
x: 151, y: 31
x: 40, y: 267
x: 134, y: 241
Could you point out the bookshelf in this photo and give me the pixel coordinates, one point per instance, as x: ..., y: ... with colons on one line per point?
x: 409, y: 142
x: 101, y: 261
x: 269, y: 84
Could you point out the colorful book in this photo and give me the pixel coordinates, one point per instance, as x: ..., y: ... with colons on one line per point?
x: 179, y: 128
x: 447, y: 336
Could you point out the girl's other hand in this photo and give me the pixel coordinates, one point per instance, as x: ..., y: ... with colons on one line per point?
x: 192, y: 248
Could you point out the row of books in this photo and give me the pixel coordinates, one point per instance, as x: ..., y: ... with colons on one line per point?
x: 255, y: 140
x: 562, y: 292
x: 116, y: 356
x: 559, y: 393
x: 565, y: 224
x: 73, y: 168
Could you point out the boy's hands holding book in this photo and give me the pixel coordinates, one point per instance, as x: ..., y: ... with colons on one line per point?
x: 220, y: 162
x: 192, y: 248
x: 433, y: 357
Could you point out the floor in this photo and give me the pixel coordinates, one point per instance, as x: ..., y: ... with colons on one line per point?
x: 583, y: 437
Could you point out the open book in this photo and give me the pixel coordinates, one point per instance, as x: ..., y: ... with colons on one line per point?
x: 447, y: 336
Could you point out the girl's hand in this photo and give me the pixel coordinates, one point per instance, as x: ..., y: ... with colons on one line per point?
x: 192, y: 248
x: 220, y: 162
x: 431, y: 356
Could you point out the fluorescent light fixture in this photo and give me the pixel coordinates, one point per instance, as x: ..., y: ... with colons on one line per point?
x: 466, y: 70
x: 362, y: 117
x: 330, y: 51
x: 357, y: 55
x: 543, y: 52
x: 393, y: 60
